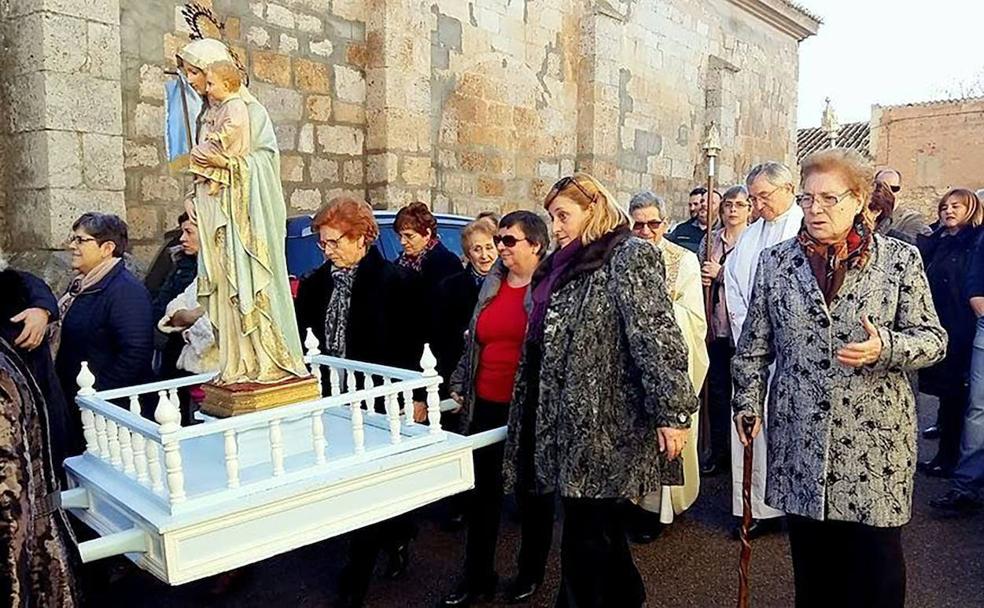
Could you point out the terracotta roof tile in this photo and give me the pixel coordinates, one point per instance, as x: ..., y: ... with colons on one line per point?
x: 854, y: 135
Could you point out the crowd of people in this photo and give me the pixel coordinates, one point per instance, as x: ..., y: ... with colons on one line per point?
x: 810, y: 312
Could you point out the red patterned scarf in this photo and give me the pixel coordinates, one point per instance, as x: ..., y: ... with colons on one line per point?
x: 830, y: 261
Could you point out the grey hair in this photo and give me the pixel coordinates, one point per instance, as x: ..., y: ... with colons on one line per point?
x: 774, y: 172
x: 646, y: 199
x: 734, y: 192
x: 3, y: 260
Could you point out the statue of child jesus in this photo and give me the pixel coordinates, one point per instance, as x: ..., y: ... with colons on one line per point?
x: 225, y: 126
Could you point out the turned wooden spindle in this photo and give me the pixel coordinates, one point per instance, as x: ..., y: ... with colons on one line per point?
x: 168, y: 418
x: 231, y: 459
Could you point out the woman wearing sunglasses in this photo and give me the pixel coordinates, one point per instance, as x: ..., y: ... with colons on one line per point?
x: 483, y: 386
x: 603, y: 403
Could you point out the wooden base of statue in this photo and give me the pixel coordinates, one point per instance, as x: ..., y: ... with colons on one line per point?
x: 236, y: 399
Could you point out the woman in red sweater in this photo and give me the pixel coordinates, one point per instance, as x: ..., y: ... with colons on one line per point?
x: 483, y: 386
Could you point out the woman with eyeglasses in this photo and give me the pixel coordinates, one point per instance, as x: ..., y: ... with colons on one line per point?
x: 106, y: 312
x: 365, y: 308
x: 483, y: 385
x: 843, y: 314
x: 603, y: 404
x: 947, y: 254
x: 423, y: 251
x: 735, y: 212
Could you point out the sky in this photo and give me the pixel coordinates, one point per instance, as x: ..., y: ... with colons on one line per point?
x: 888, y: 52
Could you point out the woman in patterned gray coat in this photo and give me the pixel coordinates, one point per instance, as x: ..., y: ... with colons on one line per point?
x: 602, y: 401
x: 843, y: 314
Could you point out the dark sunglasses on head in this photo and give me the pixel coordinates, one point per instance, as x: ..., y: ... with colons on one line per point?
x: 507, y: 240
x: 895, y: 189
x: 562, y: 185
x: 652, y: 224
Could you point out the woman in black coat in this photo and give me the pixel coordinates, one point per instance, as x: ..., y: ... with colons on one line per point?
x: 106, y: 311
x: 947, y: 254
x: 364, y: 308
x: 423, y: 252
x: 456, y: 296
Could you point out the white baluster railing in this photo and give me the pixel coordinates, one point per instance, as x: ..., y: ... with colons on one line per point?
x: 169, y: 418
x: 358, y: 429
x: 102, y: 439
x: 87, y: 382
x: 139, y: 446
x: 311, y: 344
x: 231, y: 459
x: 393, y: 413
x: 126, y: 450
x: 429, y: 364
x: 154, y: 467
x: 408, y: 407
x: 369, y: 383
x: 115, y: 450
x: 334, y: 381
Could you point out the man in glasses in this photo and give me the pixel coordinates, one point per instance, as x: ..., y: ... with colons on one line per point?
x: 689, y: 234
x: 772, y: 194
x: 648, y: 215
x: 903, y: 224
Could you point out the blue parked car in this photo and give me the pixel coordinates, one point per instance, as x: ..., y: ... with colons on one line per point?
x: 304, y: 255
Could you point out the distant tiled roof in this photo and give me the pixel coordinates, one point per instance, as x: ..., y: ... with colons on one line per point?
x: 854, y: 135
x: 795, y: 6
x: 935, y: 102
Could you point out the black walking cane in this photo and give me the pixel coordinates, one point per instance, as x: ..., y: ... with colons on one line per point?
x: 747, y: 424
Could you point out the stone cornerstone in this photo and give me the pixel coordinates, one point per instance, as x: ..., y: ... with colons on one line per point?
x: 466, y: 105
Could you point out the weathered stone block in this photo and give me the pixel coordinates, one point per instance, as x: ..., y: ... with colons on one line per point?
x: 417, y: 170
x: 102, y: 161
x: 104, y: 50
x: 280, y: 16
x: 46, y: 41
x: 307, y: 23
x: 319, y: 108
x: 322, y: 47
x: 350, y: 113
x: 355, y: 54
x: 148, y: 121
x: 288, y: 44
x: 286, y: 136
x: 67, y: 205
x: 382, y: 167
x: 323, y: 170
x: 304, y: 199
x: 272, y: 67
x: 282, y: 104
x: 258, y: 37
x: 311, y: 76
x: 305, y: 139
x: 352, y: 10
x: 350, y: 85
x: 152, y: 80
x: 161, y: 188
x: 341, y: 140
x: 490, y: 186
x: 106, y: 11
x: 354, y: 172
x: 143, y: 222
x: 45, y: 159
x: 139, y: 155
x: 291, y: 168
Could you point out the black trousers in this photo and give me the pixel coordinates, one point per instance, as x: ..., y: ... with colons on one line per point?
x: 365, y: 545
x: 485, y: 509
x: 846, y: 564
x: 950, y: 418
x: 720, y: 352
x: 597, y: 570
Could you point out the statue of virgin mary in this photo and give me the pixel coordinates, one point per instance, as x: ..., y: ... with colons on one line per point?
x: 242, y: 266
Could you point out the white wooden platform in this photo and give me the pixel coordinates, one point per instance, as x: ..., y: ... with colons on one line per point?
x: 186, y: 503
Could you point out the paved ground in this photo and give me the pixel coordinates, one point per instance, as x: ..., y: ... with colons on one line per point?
x: 693, y: 564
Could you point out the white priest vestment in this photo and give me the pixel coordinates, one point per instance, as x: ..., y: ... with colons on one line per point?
x: 739, y: 278
x: 686, y: 293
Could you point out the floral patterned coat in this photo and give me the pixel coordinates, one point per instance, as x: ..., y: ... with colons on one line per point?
x: 842, y: 441
x: 613, y: 370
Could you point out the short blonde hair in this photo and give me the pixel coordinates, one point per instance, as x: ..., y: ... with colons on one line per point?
x: 856, y: 171
x: 604, y: 212
x: 228, y: 73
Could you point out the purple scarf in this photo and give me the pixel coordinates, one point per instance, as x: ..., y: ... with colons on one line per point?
x: 559, y: 262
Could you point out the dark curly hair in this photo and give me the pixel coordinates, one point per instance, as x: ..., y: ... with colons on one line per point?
x: 417, y: 217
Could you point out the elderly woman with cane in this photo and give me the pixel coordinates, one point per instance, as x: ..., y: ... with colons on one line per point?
x: 844, y: 314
